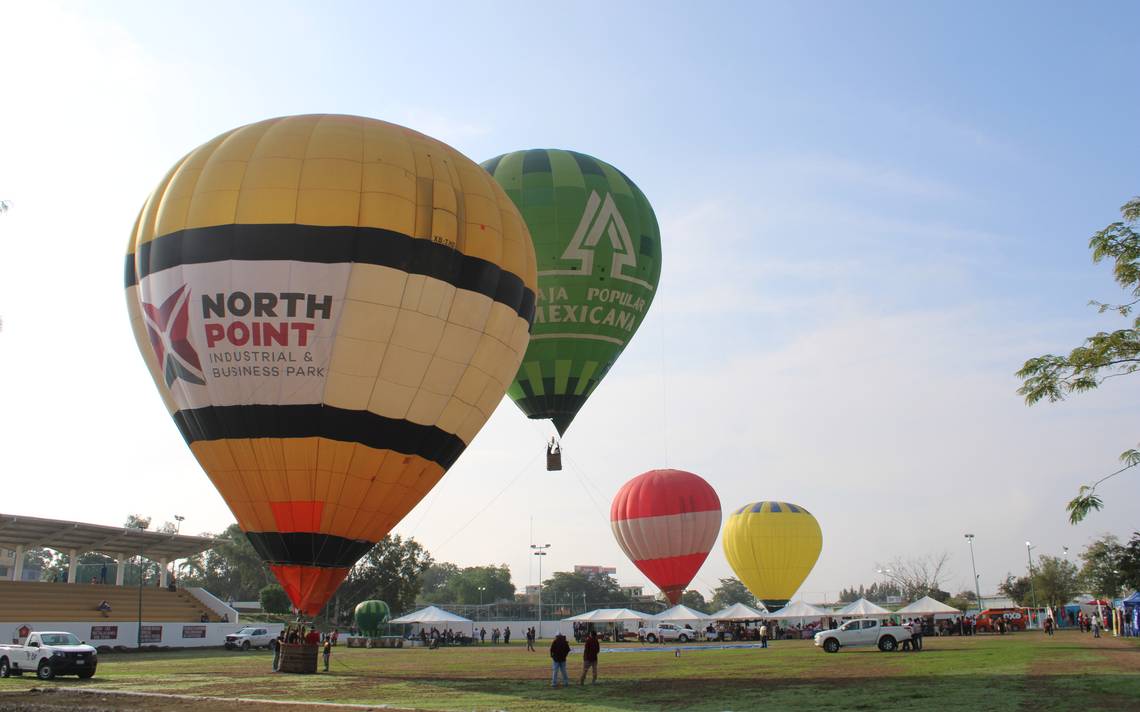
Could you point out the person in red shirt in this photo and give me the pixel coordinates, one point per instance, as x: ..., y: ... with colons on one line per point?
x: 590, y: 658
x: 313, y: 637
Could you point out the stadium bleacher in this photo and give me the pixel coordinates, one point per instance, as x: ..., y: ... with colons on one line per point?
x: 61, y: 602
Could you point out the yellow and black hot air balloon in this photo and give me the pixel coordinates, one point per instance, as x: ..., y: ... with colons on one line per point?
x: 331, y: 308
x: 772, y: 547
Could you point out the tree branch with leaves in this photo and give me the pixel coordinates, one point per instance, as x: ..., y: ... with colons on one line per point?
x: 1102, y: 356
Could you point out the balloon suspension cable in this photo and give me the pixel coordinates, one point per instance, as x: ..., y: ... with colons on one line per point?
x: 583, y: 480
x: 487, y: 506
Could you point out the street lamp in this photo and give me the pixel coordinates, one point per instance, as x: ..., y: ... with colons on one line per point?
x: 977, y: 584
x: 481, y: 590
x: 539, y: 551
x: 178, y: 527
x: 884, y: 573
x: 1033, y: 588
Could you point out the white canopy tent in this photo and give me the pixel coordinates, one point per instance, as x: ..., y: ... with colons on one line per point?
x: 609, y: 615
x: 681, y: 614
x: 432, y: 615
x: 800, y: 610
x: 862, y: 608
x: 740, y: 612
x: 927, y: 606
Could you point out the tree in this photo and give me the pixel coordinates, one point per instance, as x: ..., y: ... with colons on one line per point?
x: 918, y: 577
x: 1017, y: 589
x: 168, y: 528
x: 1102, y: 356
x: 1055, y: 581
x: 463, y: 585
x: 274, y: 599
x: 436, y: 577
x: 731, y: 590
x: 231, y: 569
x: 695, y: 600
x: 391, y: 571
x: 598, y: 589
x: 137, y: 521
x: 1100, y: 571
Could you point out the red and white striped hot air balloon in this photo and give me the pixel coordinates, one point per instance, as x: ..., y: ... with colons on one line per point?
x: 666, y: 521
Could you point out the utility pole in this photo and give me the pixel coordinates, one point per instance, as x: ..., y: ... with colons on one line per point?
x: 539, y: 551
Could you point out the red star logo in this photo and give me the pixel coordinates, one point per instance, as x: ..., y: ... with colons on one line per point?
x: 168, y: 327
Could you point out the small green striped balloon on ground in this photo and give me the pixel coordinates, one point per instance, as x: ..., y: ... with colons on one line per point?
x: 370, y: 615
x: 599, y: 260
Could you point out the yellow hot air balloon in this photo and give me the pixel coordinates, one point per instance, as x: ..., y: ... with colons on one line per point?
x: 331, y: 307
x: 772, y: 547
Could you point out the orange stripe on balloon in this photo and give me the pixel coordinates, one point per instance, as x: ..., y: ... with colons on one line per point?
x: 308, y: 587
x: 297, y: 516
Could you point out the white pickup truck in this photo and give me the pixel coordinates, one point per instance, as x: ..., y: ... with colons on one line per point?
x: 862, y: 631
x: 49, y: 654
x: 667, y: 632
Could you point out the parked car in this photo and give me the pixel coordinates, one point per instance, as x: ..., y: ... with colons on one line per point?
x: 250, y: 637
x: 48, y: 654
x: 862, y: 632
x: 667, y: 632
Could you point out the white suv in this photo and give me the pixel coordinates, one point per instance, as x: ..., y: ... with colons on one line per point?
x: 667, y: 631
x: 249, y: 637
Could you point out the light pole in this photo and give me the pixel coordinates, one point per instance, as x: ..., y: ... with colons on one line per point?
x: 481, y: 590
x: 884, y: 573
x: 539, y: 550
x: 178, y: 527
x: 1032, y: 587
x: 142, y: 575
x: 977, y: 584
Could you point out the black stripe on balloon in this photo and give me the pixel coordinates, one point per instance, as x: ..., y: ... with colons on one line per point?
x: 320, y: 421
x: 129, y: 277
x: 335, y: 245
x: 307, y: 549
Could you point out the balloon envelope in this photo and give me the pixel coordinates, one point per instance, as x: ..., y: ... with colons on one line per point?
x: 599, y: 260
x: 666, y: 521
x: 772, y: 547
x: 370, y: 615
x: 331, y: 307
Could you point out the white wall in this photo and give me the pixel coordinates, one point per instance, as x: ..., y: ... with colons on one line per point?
x: 127, y: 632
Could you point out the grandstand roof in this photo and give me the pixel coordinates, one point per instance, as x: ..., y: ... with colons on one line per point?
x: 62, y: 535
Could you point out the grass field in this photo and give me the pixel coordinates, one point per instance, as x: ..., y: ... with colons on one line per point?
x: 1070, y: 671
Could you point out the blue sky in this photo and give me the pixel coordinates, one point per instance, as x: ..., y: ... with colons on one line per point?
x: 871, y: 215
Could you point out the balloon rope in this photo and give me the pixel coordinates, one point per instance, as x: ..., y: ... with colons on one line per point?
x: 487, y: 506
x: 585, y: 480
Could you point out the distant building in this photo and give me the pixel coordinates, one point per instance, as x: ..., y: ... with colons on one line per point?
x: 632, y: 591
x: 591, y: 570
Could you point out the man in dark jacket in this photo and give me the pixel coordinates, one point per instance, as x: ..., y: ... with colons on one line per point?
x: 559, y: 649
x: 590, y: 658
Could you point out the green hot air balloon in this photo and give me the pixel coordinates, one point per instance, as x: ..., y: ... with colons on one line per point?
x: 599, y: 260
x: 370, y: 615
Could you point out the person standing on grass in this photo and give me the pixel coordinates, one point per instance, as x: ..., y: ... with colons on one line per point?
x: 326, y: 652
x: 559, y: 649
x: 1095, y: 626
x: 590, y: 658
x: 507, y: 636
x: 530, y: 639
x: 763, y: 635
